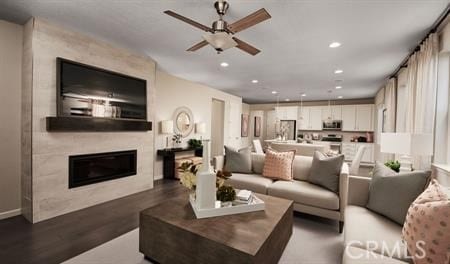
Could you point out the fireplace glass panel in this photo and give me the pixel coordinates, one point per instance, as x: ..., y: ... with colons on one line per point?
x: 93, y: 168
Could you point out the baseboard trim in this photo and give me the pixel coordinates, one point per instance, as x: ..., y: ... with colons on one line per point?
x: 8, y: 214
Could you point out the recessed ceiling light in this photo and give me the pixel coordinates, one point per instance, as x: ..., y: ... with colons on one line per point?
x: 340, y: 97
x: 303, y: 95
x: 338, y: 87
x: 274, y: 92
x: 254, y: 81
x: 338, y: 71
x: 224, y: 64
x: 334, y: 45
x: 287, y: 99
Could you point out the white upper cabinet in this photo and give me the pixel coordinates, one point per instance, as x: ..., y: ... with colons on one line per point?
x: 364, y: 117
x: 357, y: 118
x: 310, y: 118
x: 349, y: 117
x: 335, y: 113
x: 287, y: 112
x: 303, y: 118
x: 315, y: 118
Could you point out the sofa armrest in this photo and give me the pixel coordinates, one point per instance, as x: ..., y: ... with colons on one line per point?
x: 343, y: 188
x: 218, y: 162
x: 358, y: 190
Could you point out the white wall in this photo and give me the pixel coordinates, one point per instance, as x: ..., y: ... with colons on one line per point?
x: 10, y: 117
x: 173, y: 92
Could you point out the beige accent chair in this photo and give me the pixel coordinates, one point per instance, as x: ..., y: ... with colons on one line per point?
x: 257, y: 146
x: 308, y: 198
x: 366, y: 232
x: 356, y: 162
x: 301, y: 149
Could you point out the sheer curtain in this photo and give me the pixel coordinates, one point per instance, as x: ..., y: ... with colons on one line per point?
x: 421, y: 92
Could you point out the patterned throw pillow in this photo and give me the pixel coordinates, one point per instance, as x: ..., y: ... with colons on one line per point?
x: 426, y: 230
x: 278, y: 165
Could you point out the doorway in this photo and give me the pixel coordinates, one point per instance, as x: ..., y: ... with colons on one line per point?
x: 217, y: 127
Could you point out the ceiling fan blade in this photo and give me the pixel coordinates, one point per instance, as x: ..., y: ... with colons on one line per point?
x: 198, y: 46
x: 246, y: 47
x: 189, y: 21
x: 249, y: 21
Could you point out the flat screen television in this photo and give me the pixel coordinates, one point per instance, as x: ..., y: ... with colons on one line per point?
x: 87, y: 91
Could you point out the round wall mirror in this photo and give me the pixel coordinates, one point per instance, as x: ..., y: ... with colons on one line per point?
x: 184, y: 121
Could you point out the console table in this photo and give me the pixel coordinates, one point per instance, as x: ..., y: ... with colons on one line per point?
x: 169, y: 159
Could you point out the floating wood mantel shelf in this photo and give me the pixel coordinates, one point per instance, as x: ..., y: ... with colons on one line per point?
x: 83, y: 124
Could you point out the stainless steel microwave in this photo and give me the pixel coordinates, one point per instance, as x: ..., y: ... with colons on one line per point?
x: 333, y: 125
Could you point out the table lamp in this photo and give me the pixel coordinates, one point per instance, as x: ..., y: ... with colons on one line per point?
x: 167, y: 129
x: 407, y: 145
x: 200, y: 128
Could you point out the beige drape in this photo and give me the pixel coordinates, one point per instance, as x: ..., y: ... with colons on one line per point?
x: 390, y: 102
x: 421, y: 92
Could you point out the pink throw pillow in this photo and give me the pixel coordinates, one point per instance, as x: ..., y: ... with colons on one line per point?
x: 278, y: 165
x: 426, y: 230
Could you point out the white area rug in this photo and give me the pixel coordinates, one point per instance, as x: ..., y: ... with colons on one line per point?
x: 314, y: 241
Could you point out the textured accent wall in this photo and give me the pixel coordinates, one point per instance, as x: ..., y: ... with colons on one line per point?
x: 48, y: 178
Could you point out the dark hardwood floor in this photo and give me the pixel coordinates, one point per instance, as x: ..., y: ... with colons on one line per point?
x: 63, y: 237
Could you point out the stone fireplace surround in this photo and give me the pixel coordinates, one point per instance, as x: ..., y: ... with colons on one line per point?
x: 45, y: 188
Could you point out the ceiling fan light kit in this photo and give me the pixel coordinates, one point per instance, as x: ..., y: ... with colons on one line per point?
x: 220, y: 41
x: 221, y: 35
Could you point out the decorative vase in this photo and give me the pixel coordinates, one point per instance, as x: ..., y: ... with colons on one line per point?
x: 206, y: 182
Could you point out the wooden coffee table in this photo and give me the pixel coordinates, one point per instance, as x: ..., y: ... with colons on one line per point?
x: 170, y: 233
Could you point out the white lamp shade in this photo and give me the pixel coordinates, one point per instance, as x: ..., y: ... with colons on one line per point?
x: 407, y: 144
x: 200, y: 128
x: 167, y: 127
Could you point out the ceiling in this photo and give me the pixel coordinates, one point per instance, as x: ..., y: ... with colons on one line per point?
x: 376, y: 35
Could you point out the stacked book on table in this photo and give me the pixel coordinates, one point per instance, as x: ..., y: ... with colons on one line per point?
x: 243, y: 197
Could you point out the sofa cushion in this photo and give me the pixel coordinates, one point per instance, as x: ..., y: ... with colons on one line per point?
x: 258, y: 162
x: 238, y: 160
x: 278, y: 165
x: 427, y: 227
x: 305, y: 193
x: 302, y: 167
x: 391, y: 194
x: 325, y: 171
x: 252, y: 182
x: 354, y: 255
x: 364, y: 228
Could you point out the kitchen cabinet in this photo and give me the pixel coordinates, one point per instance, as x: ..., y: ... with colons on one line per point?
x: 357, y: 118
x: 335, y: 113
x: 287, y: 112
x: 349, y: 150
x: 310, y: 118
x: 364, y: 117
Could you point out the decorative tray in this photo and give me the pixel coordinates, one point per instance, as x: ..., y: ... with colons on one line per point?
x: 256, y: 204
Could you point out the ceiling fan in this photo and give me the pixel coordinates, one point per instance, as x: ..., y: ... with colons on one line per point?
x: 221, y: 34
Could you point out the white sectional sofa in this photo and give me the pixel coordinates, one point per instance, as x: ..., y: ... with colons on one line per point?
x: 370, y: 238
x: 307, y: 197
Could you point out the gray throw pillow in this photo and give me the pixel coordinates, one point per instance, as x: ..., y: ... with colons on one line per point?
x: 325, y: 171
x: 238, y: 160
x: 391, y: 194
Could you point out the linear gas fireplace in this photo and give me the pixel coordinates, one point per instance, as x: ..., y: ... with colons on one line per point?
x: 98, y: 167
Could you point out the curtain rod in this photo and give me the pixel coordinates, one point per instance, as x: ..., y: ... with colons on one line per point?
x: 433, y: 29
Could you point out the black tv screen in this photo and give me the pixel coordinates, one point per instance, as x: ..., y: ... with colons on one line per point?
x: 88, y: 91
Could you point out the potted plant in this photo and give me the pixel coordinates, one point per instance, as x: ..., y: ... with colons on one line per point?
x: 393, y: 164
x: 195, y: 143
